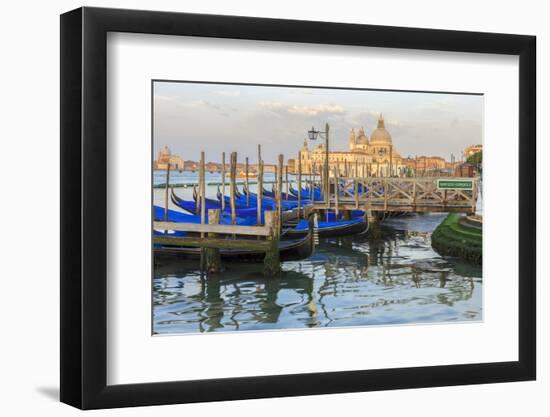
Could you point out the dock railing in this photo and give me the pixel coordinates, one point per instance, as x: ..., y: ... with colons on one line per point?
x: 210, y: 239
x: 420, y: 194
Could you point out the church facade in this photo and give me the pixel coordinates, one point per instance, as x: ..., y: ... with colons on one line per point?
x: 374, y: 156
x: 166, y: 158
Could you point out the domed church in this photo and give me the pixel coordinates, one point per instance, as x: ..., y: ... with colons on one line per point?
x: 166, y: 158
x: 366, y: 157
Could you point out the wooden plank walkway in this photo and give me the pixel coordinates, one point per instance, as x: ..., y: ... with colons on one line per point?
x: 420, y: 194
x: 211, y: 242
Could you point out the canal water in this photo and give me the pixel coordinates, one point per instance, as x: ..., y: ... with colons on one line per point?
x: 393, y: 278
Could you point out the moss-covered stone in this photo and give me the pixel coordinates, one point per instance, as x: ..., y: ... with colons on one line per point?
x: 454, y: 239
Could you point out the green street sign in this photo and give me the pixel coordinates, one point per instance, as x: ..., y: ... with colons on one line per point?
x: 455, y: 184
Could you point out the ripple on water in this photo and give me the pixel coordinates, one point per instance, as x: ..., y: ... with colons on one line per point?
x: 359, y: 281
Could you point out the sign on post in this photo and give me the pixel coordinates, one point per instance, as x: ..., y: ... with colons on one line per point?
x: 448, y: 184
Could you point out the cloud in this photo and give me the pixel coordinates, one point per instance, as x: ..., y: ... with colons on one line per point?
x: 394, y: 123
x: 215, y: 118
x: 325, y: 109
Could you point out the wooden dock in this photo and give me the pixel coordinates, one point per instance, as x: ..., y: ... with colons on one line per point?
x: 340, y: 193
x: 413, y: 195
x: 211, y: 236
x: 215, y: 239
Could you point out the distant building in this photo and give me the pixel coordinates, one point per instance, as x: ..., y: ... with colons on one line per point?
x: 166, y: 158
x: 431, y: 163
x: 213, y: 167
x: 471, y: 150
x: 291, y: 165
x: 374, y: 156
x: 465, y: 170
x: 428, y: 164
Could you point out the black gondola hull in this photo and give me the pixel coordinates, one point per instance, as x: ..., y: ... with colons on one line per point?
x: 289, y: 250
x: 336, y: 231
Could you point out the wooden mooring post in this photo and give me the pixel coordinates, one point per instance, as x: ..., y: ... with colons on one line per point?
x: 201, y: 196
x: 223, y: 181
x: 260, y: 191
x: 260, y: 186
x: 232, y: 184
x: 196, y: 191
x: 246, y: 182
x: 166, y: 192
x: 212, y: 255
x: 212, y: 244
x: 299, y: 184
x: 311, y: 182
x: 286, y: 181
x: 279, y: 196
x: 272, y: 263
x: 336, y: 199
x: 202, y: 190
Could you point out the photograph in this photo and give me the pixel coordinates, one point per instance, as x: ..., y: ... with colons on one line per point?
x: 280, y: 207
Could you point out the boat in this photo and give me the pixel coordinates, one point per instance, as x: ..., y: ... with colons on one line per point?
x: 270, y: 194
x: 330, y: 216
x: 243, y: 174
x: 267, y: 202
x: 329, y: 229
x: 267, y: 193
x: 306, y: 193
x: 289, y: 250
x: 179, y: 217
x: 193, y: 207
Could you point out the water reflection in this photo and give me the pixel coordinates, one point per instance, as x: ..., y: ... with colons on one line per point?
x: 391, y: 279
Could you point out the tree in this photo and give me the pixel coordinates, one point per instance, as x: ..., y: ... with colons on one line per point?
x: 476, y: 158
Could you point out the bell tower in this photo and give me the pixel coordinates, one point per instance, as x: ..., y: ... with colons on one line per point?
x: 352, y: 139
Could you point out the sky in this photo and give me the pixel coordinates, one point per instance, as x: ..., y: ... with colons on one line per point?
x: 194, y: 117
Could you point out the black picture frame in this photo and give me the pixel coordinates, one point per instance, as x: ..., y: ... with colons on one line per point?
x: 84, y: 207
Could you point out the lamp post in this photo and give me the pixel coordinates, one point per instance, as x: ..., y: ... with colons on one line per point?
x: 313, y: 134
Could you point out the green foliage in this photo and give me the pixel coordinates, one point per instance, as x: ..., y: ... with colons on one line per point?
x: 451, y: 238
x: 475, y: 158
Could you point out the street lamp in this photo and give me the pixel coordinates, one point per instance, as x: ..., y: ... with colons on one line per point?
x: 313, y: 134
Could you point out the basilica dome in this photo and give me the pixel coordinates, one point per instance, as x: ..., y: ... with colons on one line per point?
x: 362, y: 138
x: 165, y: 151
x: 380, y: 136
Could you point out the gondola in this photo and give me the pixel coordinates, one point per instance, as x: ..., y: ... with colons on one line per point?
x: 289, y: 250
x: 238, y: 194
x: 179, y: 217
x: 306, y: 193
x: 267, y: 202
x: 240, y: 203
x: 329, y: 229
x: 247, y: 212
x: 268, y: 194
x: 330, y: 216
x: 191, y: 206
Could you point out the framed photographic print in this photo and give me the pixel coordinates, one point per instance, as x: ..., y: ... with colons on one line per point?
x: 257, y: 207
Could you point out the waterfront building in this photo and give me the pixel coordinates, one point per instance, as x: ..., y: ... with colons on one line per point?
x: 292, y: 165
x: 430, y: 163
x: 166, y: 158
x: 376, y: 156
